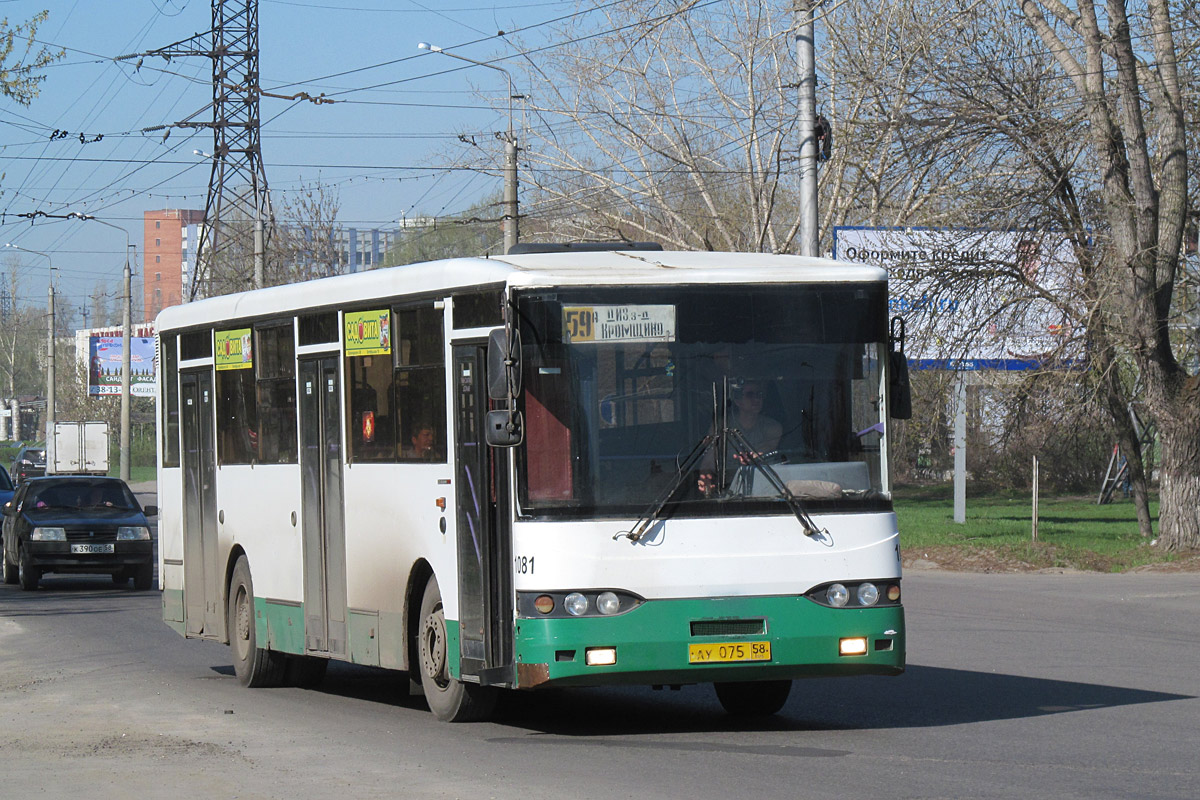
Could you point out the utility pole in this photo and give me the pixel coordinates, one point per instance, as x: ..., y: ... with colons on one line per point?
x: 50, y: 375
x: 511, y: 222
x: 126, y: 314
x: 807, y: 119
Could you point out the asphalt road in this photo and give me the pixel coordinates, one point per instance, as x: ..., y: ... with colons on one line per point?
x: 1019, y: 686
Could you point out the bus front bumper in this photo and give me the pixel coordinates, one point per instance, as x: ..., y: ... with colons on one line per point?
x: 659, y: 642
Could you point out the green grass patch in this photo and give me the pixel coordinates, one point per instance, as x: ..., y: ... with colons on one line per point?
x: 1073, y: 532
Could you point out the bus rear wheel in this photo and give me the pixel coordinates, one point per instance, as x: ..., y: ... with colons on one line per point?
x: 449, y: 699
x: 255, y: 667
x: 753, y: 698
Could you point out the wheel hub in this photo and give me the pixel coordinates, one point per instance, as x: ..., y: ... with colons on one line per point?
x: 433, y: 647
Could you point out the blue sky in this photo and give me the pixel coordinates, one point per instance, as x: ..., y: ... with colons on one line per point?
x: 383, y: 149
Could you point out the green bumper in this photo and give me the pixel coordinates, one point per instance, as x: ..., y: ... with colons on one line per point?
x: 652, y: 642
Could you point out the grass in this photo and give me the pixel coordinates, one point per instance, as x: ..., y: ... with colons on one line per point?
x: 1073, y: 532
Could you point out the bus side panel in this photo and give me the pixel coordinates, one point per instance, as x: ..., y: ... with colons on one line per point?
x: 392, y: 521
x: 170, y: 545
x: 259, y: 504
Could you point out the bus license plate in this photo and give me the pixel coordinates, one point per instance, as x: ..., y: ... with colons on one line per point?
x: 726, y: 652
x: 92, y: 548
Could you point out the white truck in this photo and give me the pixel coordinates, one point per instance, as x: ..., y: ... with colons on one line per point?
x: 79, y: 448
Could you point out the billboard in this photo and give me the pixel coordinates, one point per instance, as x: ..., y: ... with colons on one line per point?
x: 975, y: 299
x: 104, y: 365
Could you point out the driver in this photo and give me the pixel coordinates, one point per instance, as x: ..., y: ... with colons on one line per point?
x: 760, y: 431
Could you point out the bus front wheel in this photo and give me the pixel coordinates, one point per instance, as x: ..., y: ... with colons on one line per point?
x: 753, y: 698
x: 449, y: 699
x: 255, y: 667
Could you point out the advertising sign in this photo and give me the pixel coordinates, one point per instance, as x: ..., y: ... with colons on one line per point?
x: 974, y: 299
x: 235, y: 349
x: 104, y: 366
x: 368, y: 333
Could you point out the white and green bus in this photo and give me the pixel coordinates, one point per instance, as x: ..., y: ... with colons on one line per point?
x: 565, y: 466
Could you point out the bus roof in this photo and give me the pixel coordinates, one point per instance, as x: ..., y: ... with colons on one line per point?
x: 588, y: 268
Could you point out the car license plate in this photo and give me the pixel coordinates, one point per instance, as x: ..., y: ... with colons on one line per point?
x: 92, y: 548
x: 726, y: 652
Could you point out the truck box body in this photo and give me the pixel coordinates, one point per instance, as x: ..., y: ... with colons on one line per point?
x: 80, y: 448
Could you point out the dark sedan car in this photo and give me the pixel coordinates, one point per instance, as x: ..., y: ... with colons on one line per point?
x: 80, y: 525
x: 29, y: 463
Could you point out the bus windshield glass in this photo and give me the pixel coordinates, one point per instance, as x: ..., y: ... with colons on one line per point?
x: 622, y: 385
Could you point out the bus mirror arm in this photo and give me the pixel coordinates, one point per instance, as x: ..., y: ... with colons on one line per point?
x: 899, y: 390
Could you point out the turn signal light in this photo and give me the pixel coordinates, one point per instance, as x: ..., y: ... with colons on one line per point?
x: 544, y: 603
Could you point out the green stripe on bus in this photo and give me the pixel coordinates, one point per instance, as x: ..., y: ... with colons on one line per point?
x: 652, y: 641
x: 172, y: 605
x: 285, y: 626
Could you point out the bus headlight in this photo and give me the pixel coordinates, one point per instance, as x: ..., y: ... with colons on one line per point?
x: 867, y: 594
x: 608, y: 603
x: 837, y: 595
x: 575, y: 604
x: 49, y: 535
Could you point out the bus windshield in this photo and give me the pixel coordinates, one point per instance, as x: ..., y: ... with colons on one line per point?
x: 621, y: 385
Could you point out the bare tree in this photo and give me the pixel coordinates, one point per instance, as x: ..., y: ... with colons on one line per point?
x: 305, y: 244
x: 1123, y: 71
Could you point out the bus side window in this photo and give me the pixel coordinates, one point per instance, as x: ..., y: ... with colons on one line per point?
x: 275, y: 363
x: 237, y: 417
x: 420, y: 384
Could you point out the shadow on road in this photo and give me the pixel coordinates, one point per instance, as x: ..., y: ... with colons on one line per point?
x: 923, y: 697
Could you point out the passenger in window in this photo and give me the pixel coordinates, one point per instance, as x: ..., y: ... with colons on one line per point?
x: 760, y: 431
x: 423, y: 439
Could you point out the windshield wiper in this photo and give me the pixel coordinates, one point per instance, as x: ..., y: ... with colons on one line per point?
x: 650, y: 515
x: 747, y: 452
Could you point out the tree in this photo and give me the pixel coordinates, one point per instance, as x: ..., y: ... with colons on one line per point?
x: 304, y: 245
x: 19, y: 79
x: 1124, y: 72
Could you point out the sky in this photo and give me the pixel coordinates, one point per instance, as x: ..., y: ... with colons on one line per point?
x: 383, y: 147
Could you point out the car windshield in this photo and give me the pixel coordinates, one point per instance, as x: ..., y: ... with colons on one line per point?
x: 622, y: 385
x: 82, y: 495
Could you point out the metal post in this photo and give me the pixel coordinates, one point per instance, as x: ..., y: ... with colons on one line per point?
x: 126, y: 347
x: 960, y: 449
x: 511, y: 220
x: 50, y: 376
x: 807, y: 119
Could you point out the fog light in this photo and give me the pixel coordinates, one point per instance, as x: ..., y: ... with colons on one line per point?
x: 868, y: 594
x: 853, y: 647
x: 837, y: 595
x: 575, y: 604
x: 544, y: 603
x: 608, y: 603
x: 600, y: 656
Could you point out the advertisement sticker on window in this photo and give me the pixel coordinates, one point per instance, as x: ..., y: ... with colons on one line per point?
x: 234, y: 349
x: 368, y: 333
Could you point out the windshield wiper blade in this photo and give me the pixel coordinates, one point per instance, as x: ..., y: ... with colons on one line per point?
x: 746, y: 451
x: 650, y: 515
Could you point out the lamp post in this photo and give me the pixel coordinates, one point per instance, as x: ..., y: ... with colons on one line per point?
x: 127, y: 342
x: 511, y: 218
x: 49, y: 358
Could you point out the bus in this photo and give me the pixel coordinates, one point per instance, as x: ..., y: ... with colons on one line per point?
x: 563, y: 466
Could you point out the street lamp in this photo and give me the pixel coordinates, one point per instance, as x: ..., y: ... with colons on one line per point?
x: 126, y: 345
x: 511, y: 219
x: 49, y: 357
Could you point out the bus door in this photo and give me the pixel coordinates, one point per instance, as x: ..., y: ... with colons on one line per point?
x: 321, y: 498
x: 202, y: 575
x: 485, y: 604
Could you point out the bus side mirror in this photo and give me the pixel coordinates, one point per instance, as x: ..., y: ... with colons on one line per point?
x: 899, y: 390
x: 504, y: 428
x: 504, y: 365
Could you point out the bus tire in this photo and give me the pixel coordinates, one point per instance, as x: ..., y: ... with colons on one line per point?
x: 753, y: 698
x: 305, y: 672
x: 27, y: 574
x: 449, y: 699
x: 255, y: 667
